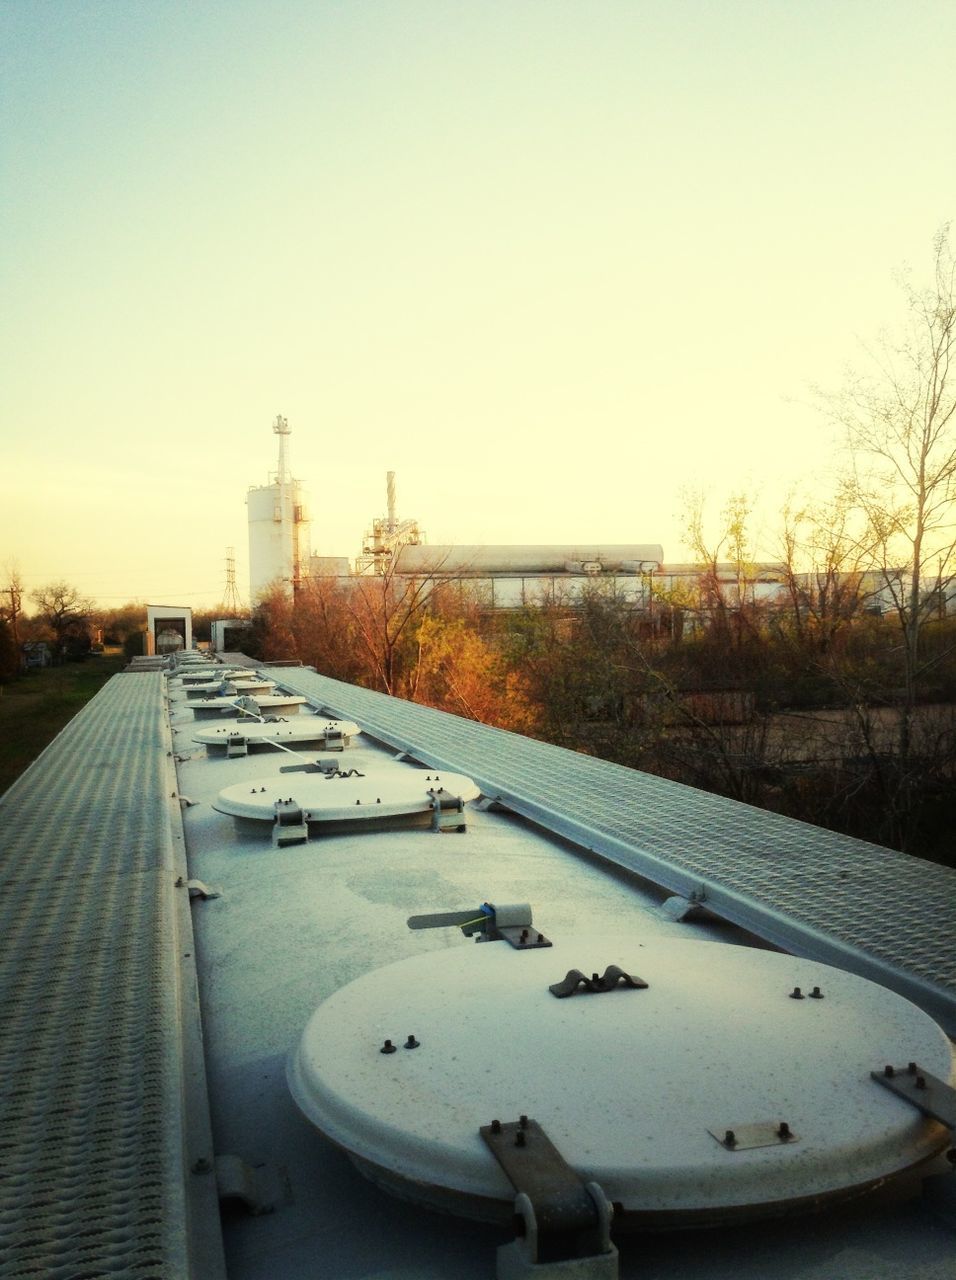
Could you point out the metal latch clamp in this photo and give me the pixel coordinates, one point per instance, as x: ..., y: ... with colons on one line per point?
x: 510, y: 923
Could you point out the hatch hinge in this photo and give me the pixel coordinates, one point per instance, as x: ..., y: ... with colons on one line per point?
x: 236, y: 745
x: 334, y: 739
x: 577, y: 983
x: 506, y: 922
x: 289, y: 825
x: 448, y: 810
x: 564, y: 1222
x: 934, y: 1097
x: 261, y: 1188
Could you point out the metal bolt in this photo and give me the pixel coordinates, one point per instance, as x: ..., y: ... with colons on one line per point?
x: 911, y: 1068
x: 521, y: 1138
x: 412, y: 1043
x: 496, y: 1126
x: 730, y: 1138
x: 783, y: 1131
x: 921, y: 1082
x: 816, y: 994
x: 595, y: 978
x: 796, y: 994
x: 524, y: 935
x: 522, y: 1122
x: 387, y: 1047
x: 889, y: 1072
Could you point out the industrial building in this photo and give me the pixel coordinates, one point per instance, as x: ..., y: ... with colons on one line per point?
x: 506, y: 577
x: 512, y: 576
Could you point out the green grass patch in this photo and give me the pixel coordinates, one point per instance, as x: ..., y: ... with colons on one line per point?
x: 36, y: 706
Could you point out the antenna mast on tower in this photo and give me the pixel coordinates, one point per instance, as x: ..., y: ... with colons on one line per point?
x: 282, y: 429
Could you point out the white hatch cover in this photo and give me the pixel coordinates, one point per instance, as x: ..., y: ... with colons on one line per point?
x: 268, y: 702
x: 347, y: 794
x: 209, y: 673
x: 637, y: 1088
x: 195, y: 691
x: 299, y: 729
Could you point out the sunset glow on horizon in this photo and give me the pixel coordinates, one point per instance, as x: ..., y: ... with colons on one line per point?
x: 555, y: 264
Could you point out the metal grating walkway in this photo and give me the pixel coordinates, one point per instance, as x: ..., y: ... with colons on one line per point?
x: 92, y: 1132
x: 886, y: 915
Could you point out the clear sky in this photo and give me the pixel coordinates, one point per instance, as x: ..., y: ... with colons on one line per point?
x: 551, y: 261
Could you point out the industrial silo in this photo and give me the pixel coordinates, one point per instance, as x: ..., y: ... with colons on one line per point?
x: 279, y: 544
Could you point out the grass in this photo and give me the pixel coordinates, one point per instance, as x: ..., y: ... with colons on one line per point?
x: 36, y: 706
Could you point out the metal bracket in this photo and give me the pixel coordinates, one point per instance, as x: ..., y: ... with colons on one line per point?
x: 491, y: 804
x: 262, y: 1188
x: 565, y: 1219
x: 448, y: 811
x: 679, y: 908
x: 613, y: 976
x: 320, y: 766
x: 934, y: 1097
x: 745, y: 1137
x: 198, y: 889
x: 289, y: 826
x: 236, y: 745
x: 510, y: 923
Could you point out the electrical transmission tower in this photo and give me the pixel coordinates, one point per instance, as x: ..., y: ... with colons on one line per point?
x: 231, y: 604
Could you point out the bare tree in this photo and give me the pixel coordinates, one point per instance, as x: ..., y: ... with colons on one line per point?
x: 899, y: 419
x: 66, y: 615
x: 824, y: 565
x: 11, y: 602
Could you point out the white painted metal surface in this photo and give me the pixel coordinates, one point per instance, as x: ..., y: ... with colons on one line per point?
x: 347, y: 794
x: 239, y: 684
x: 297, y: 732
x: 295, y: 926
x: 279, y: 704
x: 635, y: 1087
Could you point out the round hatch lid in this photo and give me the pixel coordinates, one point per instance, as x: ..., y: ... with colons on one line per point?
x: 637, y: 1088
x: 211, y: 688
x: 347, y: 794
x: 299, y: 729
x: 267, y: 702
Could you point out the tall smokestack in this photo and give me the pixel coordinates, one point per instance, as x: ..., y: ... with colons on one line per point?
x: 390, y: 484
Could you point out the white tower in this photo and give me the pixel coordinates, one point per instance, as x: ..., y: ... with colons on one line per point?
x: 278, y: 527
